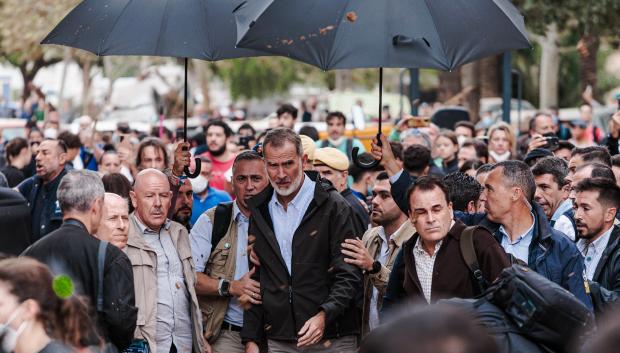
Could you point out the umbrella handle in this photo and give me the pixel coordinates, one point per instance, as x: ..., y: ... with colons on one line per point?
x: 361, y: 164
x: 196, y: 171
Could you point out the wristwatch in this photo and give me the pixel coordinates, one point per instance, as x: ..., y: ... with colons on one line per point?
x: 376, y: 267
x: 224, y: 288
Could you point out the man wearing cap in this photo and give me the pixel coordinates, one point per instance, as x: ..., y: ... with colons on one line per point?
x: 309, y: 146
x: 333, y: 165
x: 579, y: 130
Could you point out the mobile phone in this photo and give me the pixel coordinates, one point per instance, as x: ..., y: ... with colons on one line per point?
x: 418, y: 122
x: 180, y: 134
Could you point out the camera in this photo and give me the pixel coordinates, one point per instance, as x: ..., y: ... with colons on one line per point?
x: 553, y: 143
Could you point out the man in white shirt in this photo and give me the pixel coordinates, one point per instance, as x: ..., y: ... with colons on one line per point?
x: 596, y: 203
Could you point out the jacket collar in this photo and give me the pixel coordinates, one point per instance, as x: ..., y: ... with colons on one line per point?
x: 542, y: 228
x: 612, y: 245
x: 403, y: 233
x: 321, y: 192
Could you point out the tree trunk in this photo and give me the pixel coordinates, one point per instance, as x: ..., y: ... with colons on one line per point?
x: 86, y: 83
x: 549, y: 68
x: 588, y: 49
x: 202, y: 73
x: 489, y: 77
x: 449, y: 84
x: 470, y: 77
x: 343, y: 80
x: 63, y: 77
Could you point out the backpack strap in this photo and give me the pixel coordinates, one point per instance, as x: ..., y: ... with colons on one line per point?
x: 103, y: 245
x: 468, y: 252
x: 221, y: 222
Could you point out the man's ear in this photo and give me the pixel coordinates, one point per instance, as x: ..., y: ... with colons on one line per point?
x: 471, y: 207
x: 134, y: 199
x: 304, y: 161
x: 610, y: 214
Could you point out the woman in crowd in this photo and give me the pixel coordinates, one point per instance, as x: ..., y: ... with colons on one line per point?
x: 447, y: 147
x: 36, y: 319
x: 501, y: 142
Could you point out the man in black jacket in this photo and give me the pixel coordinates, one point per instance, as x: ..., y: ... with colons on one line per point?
x: 596, y: 203
x: 308, y: 291
x: 73, y: 251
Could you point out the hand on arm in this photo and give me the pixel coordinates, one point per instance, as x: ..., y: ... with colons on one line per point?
x: 248, y: 287
x: 357, y: 254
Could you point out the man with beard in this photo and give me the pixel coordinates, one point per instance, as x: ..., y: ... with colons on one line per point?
x: 183, y: 205
x: 336, y: 126
x: 218, y: 135
x: 40, y: 189
x: 114, y: 225
x: 221, y: 257
x: 308, y: 290
x: 597, y: 201
x: 552, y: 193
x: 375, y: 253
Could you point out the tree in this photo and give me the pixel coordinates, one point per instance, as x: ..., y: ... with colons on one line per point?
x: 24, y: 24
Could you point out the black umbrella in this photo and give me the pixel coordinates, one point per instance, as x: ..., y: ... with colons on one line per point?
x: 344, y: 34
x: 199, y: 29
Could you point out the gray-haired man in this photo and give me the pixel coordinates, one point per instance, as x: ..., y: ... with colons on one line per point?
x: 73, y: 251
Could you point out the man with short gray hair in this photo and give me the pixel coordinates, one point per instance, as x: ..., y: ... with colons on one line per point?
x: 72, y: 250
x: 520, y: 225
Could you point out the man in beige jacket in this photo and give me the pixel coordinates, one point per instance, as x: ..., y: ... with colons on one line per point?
x: 376, y: 252
x: 169, y: 319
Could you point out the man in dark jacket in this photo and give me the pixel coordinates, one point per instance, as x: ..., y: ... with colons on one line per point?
x: 520, y: 225
x: 40, y: 189
x: 596, y: 204
x: 431, y: 265
x: 72, y: 250
x: 308, y: 291
x: 16, y: 217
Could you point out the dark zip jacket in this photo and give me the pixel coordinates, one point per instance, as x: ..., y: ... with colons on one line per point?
x: 320, y: 279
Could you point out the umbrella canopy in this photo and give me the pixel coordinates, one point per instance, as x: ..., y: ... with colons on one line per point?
x: 199, y: 29
x: 343, y: 34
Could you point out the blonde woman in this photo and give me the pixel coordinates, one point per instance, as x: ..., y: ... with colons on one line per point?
x: 501, y: 142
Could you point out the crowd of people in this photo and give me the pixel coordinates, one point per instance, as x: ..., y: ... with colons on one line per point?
x: 283, y: 244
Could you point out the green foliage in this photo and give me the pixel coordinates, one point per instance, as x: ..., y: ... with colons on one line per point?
x: 259, y: 77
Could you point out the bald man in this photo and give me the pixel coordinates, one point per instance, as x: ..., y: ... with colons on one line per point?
x: 163, y: 270
x: 114, y: 224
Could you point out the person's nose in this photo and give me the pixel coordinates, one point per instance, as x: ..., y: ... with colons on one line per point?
x: 157, y: 201
x: 121, y: 223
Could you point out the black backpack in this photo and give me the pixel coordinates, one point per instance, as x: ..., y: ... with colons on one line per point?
x: 542, y: 310
x: 221, y: 221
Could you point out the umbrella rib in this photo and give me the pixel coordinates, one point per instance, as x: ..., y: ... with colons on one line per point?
x: 210, y: 51
x: 113, y: 26
x: 161, y: 27
x: 326, y: 66
x: 445, y: 56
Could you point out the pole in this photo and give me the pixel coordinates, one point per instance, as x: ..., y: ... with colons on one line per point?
x: 506, y: 86
x: 380, y: 98
x: 185, y: 104
x: 414, y: 89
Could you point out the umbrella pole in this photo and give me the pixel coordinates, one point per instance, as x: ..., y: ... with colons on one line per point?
x: 196, y: 171
x: 355, y: 151
x: 185, y: 104
x: 380, y: 100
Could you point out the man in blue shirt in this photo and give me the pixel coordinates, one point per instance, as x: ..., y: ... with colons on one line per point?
x: 205, y: 196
